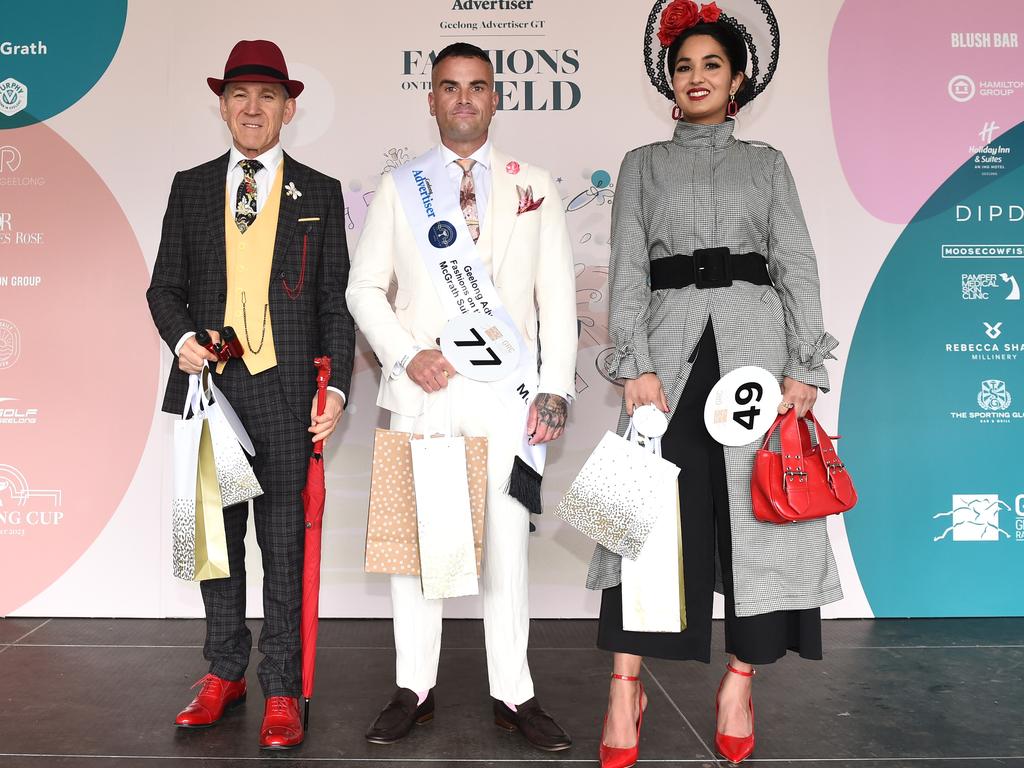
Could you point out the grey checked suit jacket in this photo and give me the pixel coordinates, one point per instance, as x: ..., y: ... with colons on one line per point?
x: 705, y: 189
x: 189, y: 285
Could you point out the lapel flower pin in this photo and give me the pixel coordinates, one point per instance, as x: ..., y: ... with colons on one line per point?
x: 512, y: 167
x: 526, y: 201
x: 291, y: 191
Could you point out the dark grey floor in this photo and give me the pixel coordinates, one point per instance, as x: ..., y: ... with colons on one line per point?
x: 890, y: 693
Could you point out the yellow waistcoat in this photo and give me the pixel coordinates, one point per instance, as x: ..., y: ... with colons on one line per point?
x: 250, y: 257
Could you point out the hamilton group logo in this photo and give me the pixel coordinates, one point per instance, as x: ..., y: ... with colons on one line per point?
x: 994, y: 396
x: 961, y: 88
x: 974, y: 517
x: 10, y: 344
x: 13, y: 97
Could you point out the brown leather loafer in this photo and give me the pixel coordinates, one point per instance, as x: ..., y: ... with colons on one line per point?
x: 539, y: 728
x: 399, y: 716
x: 215, y: 696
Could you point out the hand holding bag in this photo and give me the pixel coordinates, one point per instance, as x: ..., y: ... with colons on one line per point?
x: 803, y: 482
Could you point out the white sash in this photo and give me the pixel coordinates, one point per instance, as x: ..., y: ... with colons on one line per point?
x: 461, y: 279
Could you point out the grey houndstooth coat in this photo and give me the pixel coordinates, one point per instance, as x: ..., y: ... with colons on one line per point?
x: 705, y: 189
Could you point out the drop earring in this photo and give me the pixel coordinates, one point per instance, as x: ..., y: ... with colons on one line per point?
x: 733, y: 107
x: 677, y: 113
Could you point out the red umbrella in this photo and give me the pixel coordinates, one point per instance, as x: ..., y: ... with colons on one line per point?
x: 313, y: 503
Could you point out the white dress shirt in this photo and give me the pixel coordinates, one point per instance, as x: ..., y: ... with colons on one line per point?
x: 270, y: 160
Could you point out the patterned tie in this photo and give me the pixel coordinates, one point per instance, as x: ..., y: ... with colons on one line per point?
x: 467, y: 198
x: 245, y: 200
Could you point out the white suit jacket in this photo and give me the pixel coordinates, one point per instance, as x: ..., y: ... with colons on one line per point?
x: 532, y: 269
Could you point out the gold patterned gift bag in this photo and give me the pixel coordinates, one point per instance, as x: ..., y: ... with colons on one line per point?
x: 392, y: 538
x: 211, y: 553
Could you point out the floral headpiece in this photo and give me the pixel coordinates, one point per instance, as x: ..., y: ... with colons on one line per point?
x: 683, y: 14
x: 679, y: 15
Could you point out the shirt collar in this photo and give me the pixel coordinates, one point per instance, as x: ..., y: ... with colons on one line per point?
x: 482, y: 155
x: 269, y: 159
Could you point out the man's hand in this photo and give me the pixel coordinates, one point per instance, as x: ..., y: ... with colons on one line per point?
x: 322, y: 426
x: 797, y: 395
x: 191, y: 355
x: 546, y: 421
x: 430, y: 370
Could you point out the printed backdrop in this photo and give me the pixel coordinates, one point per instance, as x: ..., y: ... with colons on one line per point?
x: 901, y: 124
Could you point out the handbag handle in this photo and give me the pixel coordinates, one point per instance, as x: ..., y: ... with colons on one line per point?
x: 194, y: 402
x: 794, y: 439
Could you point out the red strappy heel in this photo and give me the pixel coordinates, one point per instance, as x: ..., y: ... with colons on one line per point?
x: 623, y: 757
x: 735, y: 749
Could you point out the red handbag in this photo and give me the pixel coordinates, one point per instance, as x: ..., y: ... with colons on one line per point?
x: 804, y: 482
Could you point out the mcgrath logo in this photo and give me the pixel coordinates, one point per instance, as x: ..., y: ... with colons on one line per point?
x: 442, y: 234
x: 993, y: 331
x: 994, y: 396
x: 974, y: 517
x: 961, y: 88
x: 10, y: 159
x: 10, y: 344
x: 13, y: 97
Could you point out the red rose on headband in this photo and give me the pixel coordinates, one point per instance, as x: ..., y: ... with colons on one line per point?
x: 677, y: 16
x: 709, y: 13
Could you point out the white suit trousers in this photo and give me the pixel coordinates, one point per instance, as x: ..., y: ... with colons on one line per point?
x: 476, y: 410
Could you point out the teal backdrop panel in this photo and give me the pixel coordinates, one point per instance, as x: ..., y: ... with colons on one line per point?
x: 932, y: 411
x: 54, y: 52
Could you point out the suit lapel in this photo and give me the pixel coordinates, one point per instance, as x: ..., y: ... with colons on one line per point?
x: 503, y: 205
x: 289, y: 214
x: 215, y: 185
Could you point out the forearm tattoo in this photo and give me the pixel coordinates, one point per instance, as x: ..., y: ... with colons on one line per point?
x: 552, y: 411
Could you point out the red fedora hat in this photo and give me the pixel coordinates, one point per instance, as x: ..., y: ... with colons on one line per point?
x: 255, y: 61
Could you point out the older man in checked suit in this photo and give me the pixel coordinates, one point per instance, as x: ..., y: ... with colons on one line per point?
x: 256, y: 241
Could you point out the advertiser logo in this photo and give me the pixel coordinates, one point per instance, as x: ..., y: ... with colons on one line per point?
x: 993, y: 212
x: 492, y: 5
x: 983, y: 40
x: 10, y: 162
x: 8, y: 48
x: 993, y: 396
x: 13, y: 97
x: 426, y: 193
x: 974, y: 286
x: 989, y: 159
x: 963, y: 88
x: 974, y: 517
x: 14, y: 414
x: 986, y: 351
x: 9, y: 235
x: 23, y: 508
x: 10, y: 344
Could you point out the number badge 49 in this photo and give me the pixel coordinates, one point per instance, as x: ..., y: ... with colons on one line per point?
x: 742, y: 406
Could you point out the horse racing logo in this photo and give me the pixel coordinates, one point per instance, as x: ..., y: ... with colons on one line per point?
x: 974, y: 518
x: 13, y: 97
x: 994, y: 396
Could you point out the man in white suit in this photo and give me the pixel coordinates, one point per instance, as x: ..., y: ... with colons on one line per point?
x: 513, y: 214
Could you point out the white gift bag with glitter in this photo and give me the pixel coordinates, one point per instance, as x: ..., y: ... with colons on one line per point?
x: 187, y: 432
x: 653, y: 599
x: 237, y: 481
x: 444, y: 518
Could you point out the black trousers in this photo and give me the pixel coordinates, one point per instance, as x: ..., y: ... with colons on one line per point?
x: 704, y: 509
x: 283, y: 447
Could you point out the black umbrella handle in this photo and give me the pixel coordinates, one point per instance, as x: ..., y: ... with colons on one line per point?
x: 305, y: 716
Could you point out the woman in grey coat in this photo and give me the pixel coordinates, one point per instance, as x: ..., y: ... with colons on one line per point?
x: 712, y: 269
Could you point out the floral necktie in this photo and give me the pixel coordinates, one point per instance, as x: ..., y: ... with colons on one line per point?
x: 245, y: 200
x: 467, y: 198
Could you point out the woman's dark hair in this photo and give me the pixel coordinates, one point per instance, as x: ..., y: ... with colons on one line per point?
x: 462, y: 50
x: 731, y: 42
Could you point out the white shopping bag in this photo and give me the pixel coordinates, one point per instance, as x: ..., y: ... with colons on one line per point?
x: 652, y: 585
x: 444, y: 519
x: 187, y: 432
x: 237, y: 481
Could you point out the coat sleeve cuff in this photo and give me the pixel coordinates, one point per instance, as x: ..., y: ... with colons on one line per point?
x: 629, y: 361
x: 807, y: 361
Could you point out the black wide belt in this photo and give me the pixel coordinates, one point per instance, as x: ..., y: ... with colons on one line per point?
x: 708, y: 268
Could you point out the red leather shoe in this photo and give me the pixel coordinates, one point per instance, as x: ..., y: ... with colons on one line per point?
x: 623, y: 757
x: 216, y: 695
x: 282, y: 726
x: 735, y: 749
